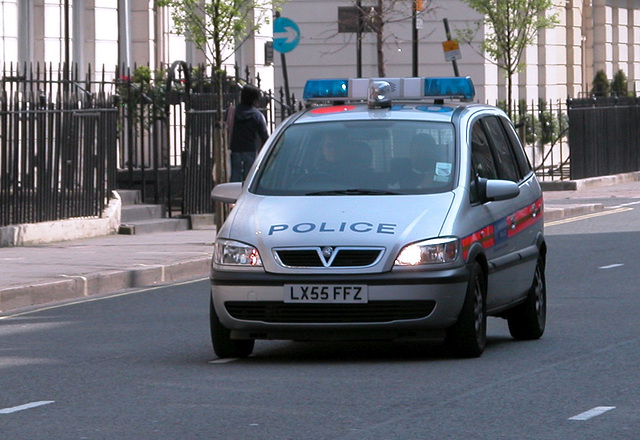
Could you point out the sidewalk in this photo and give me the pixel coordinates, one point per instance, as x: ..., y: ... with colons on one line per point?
x: 33, y: 275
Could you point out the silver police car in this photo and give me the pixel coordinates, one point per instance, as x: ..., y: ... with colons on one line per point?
x: 389, y: 208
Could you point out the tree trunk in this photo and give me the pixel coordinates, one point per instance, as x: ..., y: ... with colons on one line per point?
x: 379, y: 26
x: 220, y: 152
x: 510, y: 94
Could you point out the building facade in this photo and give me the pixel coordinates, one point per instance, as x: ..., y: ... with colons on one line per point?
x: 591, y: 35
x: 108, y: 33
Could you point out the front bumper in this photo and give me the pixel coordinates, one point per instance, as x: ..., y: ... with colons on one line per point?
x: 400, y: 303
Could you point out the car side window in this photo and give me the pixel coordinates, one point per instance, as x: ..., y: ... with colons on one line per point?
x: 521, y: 157
x: 482, y: 160
x: 506, y: 165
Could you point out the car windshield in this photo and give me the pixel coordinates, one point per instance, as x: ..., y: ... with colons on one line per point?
x: 360, y: 158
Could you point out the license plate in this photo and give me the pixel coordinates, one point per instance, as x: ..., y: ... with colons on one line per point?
x: 323, y: 293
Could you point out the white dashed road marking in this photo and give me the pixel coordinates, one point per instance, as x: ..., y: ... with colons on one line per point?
x: 598, y: 410
x: 223, y: 361
x: 611, y: 266
x: 25, y: 406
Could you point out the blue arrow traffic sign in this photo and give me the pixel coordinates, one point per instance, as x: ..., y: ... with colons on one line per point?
x: 286, y: 34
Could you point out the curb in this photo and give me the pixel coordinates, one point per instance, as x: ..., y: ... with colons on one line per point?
x: 590, y: 182
x: 75, y: 287
x: 63, y: 230
x: 83, y: 286
x: 559, y: 212
x: 79, y: 286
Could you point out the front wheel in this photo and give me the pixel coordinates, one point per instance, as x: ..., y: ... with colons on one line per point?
x: 527, y: 321
x: 467, y: 337
x: 223, y: 345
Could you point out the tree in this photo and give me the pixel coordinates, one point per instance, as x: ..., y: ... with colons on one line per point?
x: 619, y: 84
x: 510, y: 26
x: 218, y: 28
x: 601, y: 85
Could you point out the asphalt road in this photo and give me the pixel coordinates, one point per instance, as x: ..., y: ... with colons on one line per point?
x: 139, y: 365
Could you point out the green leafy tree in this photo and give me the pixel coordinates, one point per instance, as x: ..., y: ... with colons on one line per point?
x: 601, y: 85
x: 530, y: 124
x: 511, y: 26
x: 219, y: 27
x: 620, y: 84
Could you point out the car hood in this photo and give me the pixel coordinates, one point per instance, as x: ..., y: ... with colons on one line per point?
x: 389, y: 221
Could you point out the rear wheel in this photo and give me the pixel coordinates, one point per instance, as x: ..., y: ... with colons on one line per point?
x: 527, y: 321
x: 223, y: 345
x: 468, y: 337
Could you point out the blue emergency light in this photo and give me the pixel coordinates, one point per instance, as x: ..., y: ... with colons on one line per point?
x: 359, y: 89
x: 325, y: 88
x: 451, y: 87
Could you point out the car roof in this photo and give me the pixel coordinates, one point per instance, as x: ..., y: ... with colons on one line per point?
x: 421, y: 99
x: 404, y: 111
x: 448, y: 112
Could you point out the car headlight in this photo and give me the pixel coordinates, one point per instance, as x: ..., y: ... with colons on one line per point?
x: 229, y: 252
x: 433, y: 251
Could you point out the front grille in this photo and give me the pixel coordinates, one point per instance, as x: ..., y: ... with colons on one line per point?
x: 313, y: 257
x: 375, y: 311
x: 349, y: 258
x: 304, y: 258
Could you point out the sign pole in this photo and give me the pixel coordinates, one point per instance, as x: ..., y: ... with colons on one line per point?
x: 359, y: 41
x: 285, y: 78
x: 448, y: 32
x: 414, y: 38
x: 286, y: 35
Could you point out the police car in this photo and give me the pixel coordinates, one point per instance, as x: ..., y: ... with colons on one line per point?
x: 389, y: 208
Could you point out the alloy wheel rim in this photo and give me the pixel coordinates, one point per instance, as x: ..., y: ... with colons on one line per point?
x: 539, y: 294
x: 478, y: 309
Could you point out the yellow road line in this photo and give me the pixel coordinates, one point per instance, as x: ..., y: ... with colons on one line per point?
x: 587, y: 216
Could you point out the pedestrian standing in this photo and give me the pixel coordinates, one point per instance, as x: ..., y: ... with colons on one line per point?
x: 248, y: 134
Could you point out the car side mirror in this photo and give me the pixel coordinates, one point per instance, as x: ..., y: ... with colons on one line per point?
x: 227, y: 192
x: 491, y: 190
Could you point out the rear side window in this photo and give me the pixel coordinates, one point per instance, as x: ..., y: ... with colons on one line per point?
x: 503, y: 151
x: 481, y: 157
x: 521, y: 157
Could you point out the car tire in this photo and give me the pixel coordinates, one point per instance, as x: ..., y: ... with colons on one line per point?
x: 223, y: 345
x: 527, y: 320
x: 467, y: 338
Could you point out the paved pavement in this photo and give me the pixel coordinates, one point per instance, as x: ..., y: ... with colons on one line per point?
x: 35, y: 275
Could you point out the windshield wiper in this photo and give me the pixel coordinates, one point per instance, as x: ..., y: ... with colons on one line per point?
x: 353, y: 192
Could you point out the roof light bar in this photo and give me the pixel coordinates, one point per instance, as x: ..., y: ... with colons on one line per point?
x: 452, y: 87
x: 367, y: 89
x: 325, y: 89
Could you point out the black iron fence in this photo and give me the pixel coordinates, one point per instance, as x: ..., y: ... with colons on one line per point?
x: 604, y: 135
x: 57, y: 147
x: 67, y: 141
x: 167, y: 135
x: 543, y: 127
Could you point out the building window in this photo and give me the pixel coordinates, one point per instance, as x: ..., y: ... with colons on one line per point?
x: 9, y: 31
x: 106, y: 33
x: 54, y: 30
x: 174, y: 44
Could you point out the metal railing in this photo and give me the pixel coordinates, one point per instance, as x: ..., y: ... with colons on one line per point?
x: 57, y: 148
x: 68, y: 141
x: 604, y: 135
x: 543, y: 127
